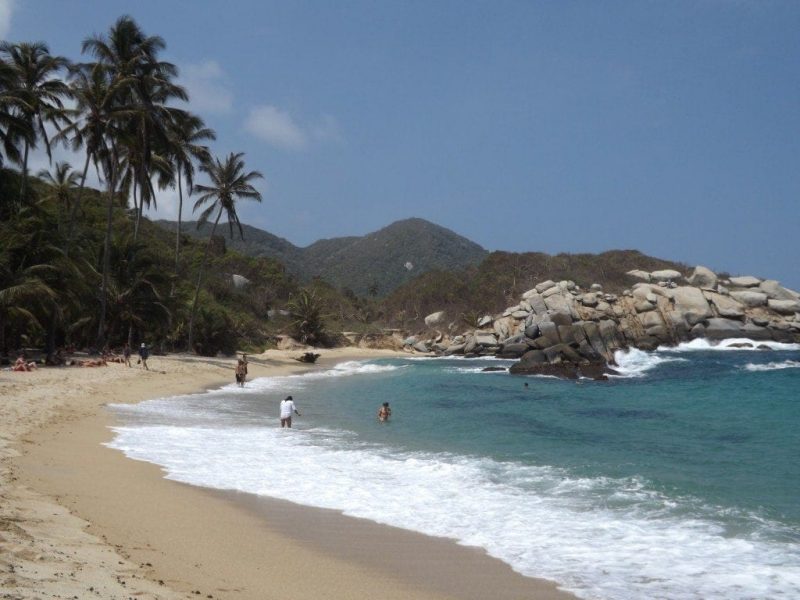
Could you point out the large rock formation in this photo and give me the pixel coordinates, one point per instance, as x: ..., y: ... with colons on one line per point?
x: 559, y: 329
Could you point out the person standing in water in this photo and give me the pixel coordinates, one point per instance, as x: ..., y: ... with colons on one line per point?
x: 241, y: 372
x: 384, y: 412
x: 287, y: 408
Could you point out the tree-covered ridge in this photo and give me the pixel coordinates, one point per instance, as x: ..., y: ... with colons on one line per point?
x: 370, y: 265
x: 49, y: 298
x: 499, y: 281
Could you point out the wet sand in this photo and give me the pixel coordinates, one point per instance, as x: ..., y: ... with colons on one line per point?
x: 77, y: 515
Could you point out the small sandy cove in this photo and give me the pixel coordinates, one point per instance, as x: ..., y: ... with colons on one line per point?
x: 79, y: 520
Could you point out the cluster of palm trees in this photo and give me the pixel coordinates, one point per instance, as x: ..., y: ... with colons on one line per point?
x: 122, y: 108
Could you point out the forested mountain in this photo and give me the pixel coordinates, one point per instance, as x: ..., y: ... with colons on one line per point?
x: 373, y: 264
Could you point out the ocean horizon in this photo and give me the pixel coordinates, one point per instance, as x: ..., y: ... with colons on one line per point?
x: 677, y: 478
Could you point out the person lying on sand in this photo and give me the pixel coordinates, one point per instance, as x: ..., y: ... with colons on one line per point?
x: 92, y: 362
x: 22, y: 365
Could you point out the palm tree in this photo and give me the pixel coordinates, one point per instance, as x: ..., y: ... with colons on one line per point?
x: 229, y: 182
x: 136, y: 289
x: 62, y: 183
x: 185, y: 147
x: 131, y: 55
x: 23, y: 286
x: 139, y: 86
x: 13, y: 127
x: 308, y: 322
x: 39, y: 91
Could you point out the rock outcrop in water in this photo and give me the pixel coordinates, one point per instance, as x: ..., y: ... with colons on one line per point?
x: 560, y: 329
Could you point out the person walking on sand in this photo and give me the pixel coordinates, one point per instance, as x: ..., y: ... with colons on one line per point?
x: 144, y: 354
x: 126, y: 354
x: 384, y: 412
x: 287, y: 408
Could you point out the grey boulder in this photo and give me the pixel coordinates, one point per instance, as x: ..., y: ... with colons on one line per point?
x: 784, y: 307
x: 703, y: 277
x: 750, y: 298
x: 775, y: 291
x: 665, y: 275
x: 745, y: 281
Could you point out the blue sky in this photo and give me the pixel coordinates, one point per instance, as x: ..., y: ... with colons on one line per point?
x: 669, y: 127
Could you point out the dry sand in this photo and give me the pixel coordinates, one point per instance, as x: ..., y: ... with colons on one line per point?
x: 79, y: 520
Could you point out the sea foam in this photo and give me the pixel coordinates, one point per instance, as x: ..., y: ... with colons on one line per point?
x: 599, y: 537
x: 772, y: 366
x: 731, y: 344
x: 636, y: 363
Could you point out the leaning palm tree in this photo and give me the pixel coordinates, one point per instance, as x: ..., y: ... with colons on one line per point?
x: 40, y: 92
x: 229, y: 182
x: 186, y: 134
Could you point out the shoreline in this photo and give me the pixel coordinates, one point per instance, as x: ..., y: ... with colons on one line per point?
x: 225, y: 544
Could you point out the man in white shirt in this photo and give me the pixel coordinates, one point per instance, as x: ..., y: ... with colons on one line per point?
x: 287, y: 408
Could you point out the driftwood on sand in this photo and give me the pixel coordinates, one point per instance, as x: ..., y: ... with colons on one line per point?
x: 308, y: 357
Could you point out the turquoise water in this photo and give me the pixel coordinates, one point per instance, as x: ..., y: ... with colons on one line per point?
x: 678, y: 479
x: 702, y: 426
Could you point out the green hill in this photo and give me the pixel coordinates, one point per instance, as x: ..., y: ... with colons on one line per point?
x: 500, y: 280
x: 378, y: 262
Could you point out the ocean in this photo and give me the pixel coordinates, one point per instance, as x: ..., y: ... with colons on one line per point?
x: 679, y: 478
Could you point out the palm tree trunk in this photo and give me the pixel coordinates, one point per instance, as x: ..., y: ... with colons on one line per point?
x: 135, y: 211
x: 177, y: 233
x: 200, y: 279
x: 178, y: 228
x: 106, y: 258
x: 74, y: 212
x: 24, y: 183
x: 139, y: 211
x: 50, y: 344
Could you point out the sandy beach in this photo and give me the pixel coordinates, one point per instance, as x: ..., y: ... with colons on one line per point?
x: 79, y: 520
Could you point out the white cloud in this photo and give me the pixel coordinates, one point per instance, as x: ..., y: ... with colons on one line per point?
x: 6, y: 8
x: 208, y: 87
x: 276, y: 127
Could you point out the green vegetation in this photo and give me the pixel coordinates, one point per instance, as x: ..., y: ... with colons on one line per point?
x: 501, y: 279
x: 83, y: 267
x: 371, y: 265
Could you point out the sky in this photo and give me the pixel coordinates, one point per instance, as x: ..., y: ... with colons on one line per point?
x: 668, y: 127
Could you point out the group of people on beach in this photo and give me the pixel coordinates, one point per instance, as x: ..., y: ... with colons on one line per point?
x: 125, y: 359
x: 58, y: 359
x: 287, y: 406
